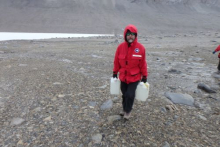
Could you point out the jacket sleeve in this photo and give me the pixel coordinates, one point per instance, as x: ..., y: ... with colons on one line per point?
x: 143, y: 65
x: 217, y: 49
x: 116, y: 62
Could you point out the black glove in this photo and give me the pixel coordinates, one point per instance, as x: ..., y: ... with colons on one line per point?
x: 144, y: 79
x: 115, y: 75
x: 213, y: 52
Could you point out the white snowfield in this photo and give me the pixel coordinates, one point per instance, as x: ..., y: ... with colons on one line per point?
x: 29, y: 36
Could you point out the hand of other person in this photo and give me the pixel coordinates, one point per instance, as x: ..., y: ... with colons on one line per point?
x: 144, y: 79
x: 213, y: 52
x: 115, y: 75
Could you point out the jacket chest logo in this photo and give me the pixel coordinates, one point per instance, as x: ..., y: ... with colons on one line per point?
x: 137, y: 55
x: 136, y: 50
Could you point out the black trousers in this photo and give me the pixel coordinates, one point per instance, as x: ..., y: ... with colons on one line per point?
x: 128, y: 95
x: 219, y: 64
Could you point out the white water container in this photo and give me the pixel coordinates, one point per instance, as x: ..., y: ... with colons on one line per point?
x: 142, y: 91
x: 115, y: 86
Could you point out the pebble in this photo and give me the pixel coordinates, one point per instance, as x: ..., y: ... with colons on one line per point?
x: 163, y: 110
x: 107, y: 105
x: 113, y: 118
x: 97, y: 138
x: 61, y: 96
x: 20, y: 142
x: 205, y: 107
x: 166, y: 144
x: 17, y: 121
x: 47, y: 118
x: 115, y: 99
x: 175, y: 71
x: 206, y: 88
x: 57, y: 83
x: 202, y: 117
x: 102, y: 87
x: 92, y: 104
x: 22, y: 65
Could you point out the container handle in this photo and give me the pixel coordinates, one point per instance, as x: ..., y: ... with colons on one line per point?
x: 146, y: 85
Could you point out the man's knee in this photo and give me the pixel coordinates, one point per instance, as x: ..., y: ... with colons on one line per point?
x: 130, y: 95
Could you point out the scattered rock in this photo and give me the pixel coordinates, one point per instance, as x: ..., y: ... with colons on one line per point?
x: 22, y: 65
x: 216, y: 113
x: 61, y: 96
x: 17, y: 121
x: 92, y: 104
x: 82, y: 69
x: 206, y: 88
x: 166, y: 144
x: 163, y: 110
x: 96, y: 56
x: 37, y: 109
x: 211, y: 97
x: 115, y: 99
x: 67, y: 61
x: 202, y: 117
x: 197, y: 91
x: 113, y: 118
x: 57, y: 83
x: 47, y: 118
x: 107, y: 105
x: 102, y: 87
x: 204, y: 107
x: 175, y: 117
x: 174, y: 71
x: 172, y: 88
x: 20, y: 142
x: 97, y: 138
x: 116, y: 41
x: 1, y: 102
x: 179, y: 98
x: 216, y: 75
x: 196, y: 59
x: 75, y: 106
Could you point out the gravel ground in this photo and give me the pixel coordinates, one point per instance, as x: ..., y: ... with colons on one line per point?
x: 52, y: 93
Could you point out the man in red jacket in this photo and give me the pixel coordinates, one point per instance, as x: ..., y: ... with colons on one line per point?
x: 130, y: 63
x: 216, y: 50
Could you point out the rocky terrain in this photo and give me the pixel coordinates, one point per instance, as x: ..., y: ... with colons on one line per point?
x: 56, y: 93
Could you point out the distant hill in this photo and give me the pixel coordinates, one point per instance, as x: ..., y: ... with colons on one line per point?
x: 109, y: 16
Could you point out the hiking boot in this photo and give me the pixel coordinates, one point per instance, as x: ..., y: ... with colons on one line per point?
x: 127, y: 116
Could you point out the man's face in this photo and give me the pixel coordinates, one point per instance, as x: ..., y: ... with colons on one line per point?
x: 130, y: 37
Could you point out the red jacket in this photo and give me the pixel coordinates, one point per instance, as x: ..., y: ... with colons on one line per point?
x: 218, y: 49
x: 130, y: 61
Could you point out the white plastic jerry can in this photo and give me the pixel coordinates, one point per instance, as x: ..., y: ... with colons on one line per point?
x: 115, y: 86
x: 142, y: 91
